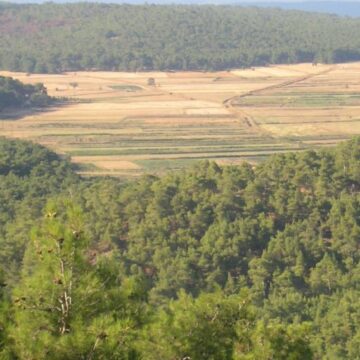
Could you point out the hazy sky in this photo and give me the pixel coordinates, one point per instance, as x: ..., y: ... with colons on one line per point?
x: 195, y: 1
x: 287, y: 1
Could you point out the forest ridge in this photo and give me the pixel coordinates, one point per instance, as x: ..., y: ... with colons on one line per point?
x: 51, y: 38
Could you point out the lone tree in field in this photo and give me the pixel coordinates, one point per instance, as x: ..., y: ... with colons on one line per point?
x: 151, y: 82
x: 65, y: 306
x: 74, y: 85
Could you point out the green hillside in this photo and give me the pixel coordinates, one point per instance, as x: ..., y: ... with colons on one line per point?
x: 59, y: 37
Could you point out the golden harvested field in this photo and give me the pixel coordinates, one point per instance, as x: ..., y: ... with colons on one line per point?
x: 116, y: 123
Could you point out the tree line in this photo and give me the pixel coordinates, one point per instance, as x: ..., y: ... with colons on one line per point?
x: 235, y: 262
x: 52, y: 38
x: 15, y: 94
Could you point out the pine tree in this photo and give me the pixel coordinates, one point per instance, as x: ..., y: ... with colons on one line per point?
x: 67, y: 307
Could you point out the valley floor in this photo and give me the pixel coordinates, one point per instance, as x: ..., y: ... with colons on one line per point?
x: 127, y: 124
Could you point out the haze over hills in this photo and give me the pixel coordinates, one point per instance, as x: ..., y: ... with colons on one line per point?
x: 342, y: 8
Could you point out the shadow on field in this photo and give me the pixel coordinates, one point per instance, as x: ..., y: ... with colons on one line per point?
x: 13, y: 114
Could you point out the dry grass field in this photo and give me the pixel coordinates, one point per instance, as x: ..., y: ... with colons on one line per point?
x: 116, y: 123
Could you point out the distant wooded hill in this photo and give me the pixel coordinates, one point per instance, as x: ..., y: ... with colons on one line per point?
x: 330, y: 7
x: 58, y: 37
x: 343, y: 8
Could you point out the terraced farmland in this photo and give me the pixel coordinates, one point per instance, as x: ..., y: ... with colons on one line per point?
x: 125, y: 124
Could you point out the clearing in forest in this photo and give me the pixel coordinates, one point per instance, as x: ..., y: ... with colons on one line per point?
x: 126, y: 124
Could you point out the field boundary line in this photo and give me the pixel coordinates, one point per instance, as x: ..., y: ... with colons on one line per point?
x: 230, y: 101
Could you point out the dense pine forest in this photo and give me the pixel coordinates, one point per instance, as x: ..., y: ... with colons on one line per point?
x: 15, y: 94
x: 59, y: 37
x: 235, y: 262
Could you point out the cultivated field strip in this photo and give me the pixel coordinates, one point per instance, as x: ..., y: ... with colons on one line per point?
x: 123, y: 124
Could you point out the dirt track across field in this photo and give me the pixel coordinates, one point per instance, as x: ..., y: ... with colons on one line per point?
x: 118, y: 123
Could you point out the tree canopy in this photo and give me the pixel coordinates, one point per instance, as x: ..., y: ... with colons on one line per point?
x: 15, y: 94
x: 235, y: 262
x: 61, y: 37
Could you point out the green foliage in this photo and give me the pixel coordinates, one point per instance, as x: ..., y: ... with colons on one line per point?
x: 62, y: 37
x: 2, y: 311
x: 234, y: 262
x: 216, y: 326
x: 28, y: 175
x: 15, y: 94
x: 276, y: 341
x: 202, y: 328
x: 65, y: 307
